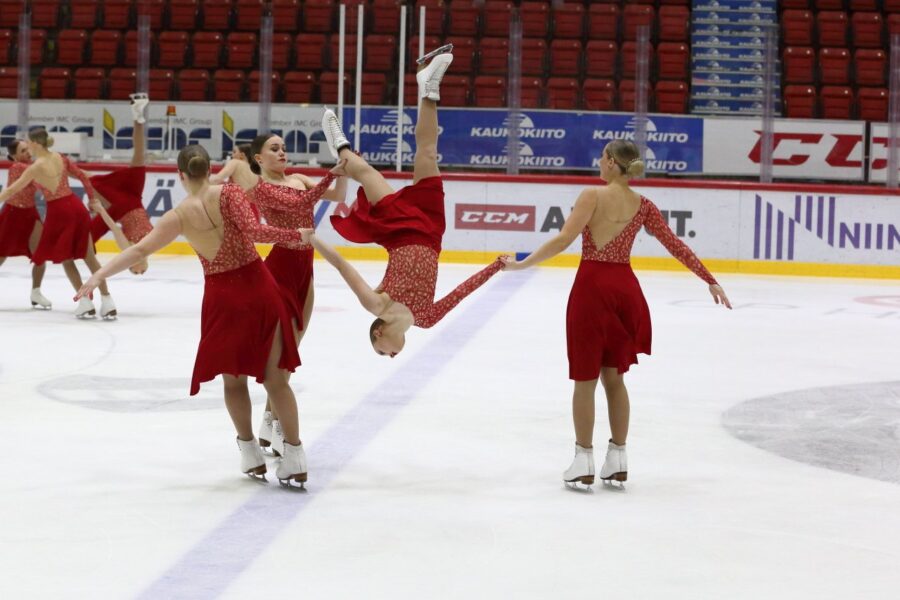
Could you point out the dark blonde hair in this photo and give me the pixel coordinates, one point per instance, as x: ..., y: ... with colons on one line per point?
x: 244, y: 149
x: 193, y: 161
x: 627, y: 157
x: 375, y: 325
x: 256, y: 147
x: 13, y: 148
x: 40, y: 136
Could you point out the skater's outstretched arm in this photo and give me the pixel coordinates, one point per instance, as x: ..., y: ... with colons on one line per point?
x: 371, y: 301
x: 333, y: 194
x: 577, y: 221
x: 165, y: 232
x: 227, y: 171
x: 439, y: 309
x: 234, y: 203
x: 290, y: 199
x: 114, y: 227
x: 15, y: 172
x: 21, y: 182
x: 75, y: 171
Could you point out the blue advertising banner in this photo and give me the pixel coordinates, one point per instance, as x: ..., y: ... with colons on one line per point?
x: 548, y: 140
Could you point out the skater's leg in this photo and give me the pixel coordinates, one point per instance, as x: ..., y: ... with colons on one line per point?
x: 90, y: 259
x: 237, y: 401
x: 37, y: 271
x: 617, y: 403
x: 307, y: 312
x: 373, y: 182
x: 72, y: 274
x: 139, y: 149
x: 281, y: 394
x: 425, y: 163
x: 583, y: 412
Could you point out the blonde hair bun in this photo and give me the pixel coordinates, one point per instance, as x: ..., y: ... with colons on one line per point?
x: 635, y: 168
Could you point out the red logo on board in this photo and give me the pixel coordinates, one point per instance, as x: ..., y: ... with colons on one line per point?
x: 495, y: 217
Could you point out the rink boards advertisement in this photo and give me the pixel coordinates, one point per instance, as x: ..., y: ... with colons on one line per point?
x: 720, y: 224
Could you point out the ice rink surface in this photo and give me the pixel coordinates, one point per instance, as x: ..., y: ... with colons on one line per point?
x: 764, y: 449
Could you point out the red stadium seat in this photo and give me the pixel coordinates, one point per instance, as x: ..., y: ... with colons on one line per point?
x: 832, y: 28
x: 380, y: 53
x: 105, y: 45
x: 285, y: 16
x: 599, y: 94
x: 869, y: 66
x: 531, y: 94
x: 299, y: 87
x: 248, y: 15
x: 672, y: 59
x: 173, y: 49
x: 89, y: 83
x: 534, y: 56
x: 70, y: 47
x: 38, y: 46
x: 431, y: 42
x: 54, y: 83
x: 868, y: 30
x: 162, y: 84
x: 207, y: 46
x: 282, y: 45
x: 626, y: 95
x: 352, y: 16
x: 863, y: 5
x: 228, y: 85
x: 183, y: 14
x: 603, y: 23
x: 671, y: 97
x: 837, y: 102
x: 6, y: 38
x: 45, y: 13
x: 494, y: 54
x: 193, y: 85
x: 310, y: 48
x: 411, y: 91
x: 10, y: 11
x: 374, y: 88
x: 435, y: 16
x: 892, y: 6
x: 349, y: 54
x: 834, y: 65
x: 565, y: 57
x: 84, y: 14
x: 464, y: 18
x: 873, y: 104
x: 489, y: 91
x: 797, y: 27
x: 131, y: 47
x: 328, y: 88
x: 568, y: 21
x: 496, y: 18
x: 801, y: 4
x: 535, y: 19
x: 274, y: 86
x: 798, y: 63
x: 455, y: 90
x: 9, y: 82
x: 242, y: 50
x: 122, y: 82
x: 217, y: 14
x: 800, y: 101
x: 829, y: 4
x: 317, y: 16
x: 634, y: 16
x: 674, y: 23
x: 386, y: 16
x: 464, y: 52
x: 155, y: 9
x: 562, y: 93
x: 117, y: 14
x: 602, y: 56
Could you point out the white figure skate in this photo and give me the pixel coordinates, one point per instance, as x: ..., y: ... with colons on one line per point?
x: 85, y: 309
x: 291, y: 469
x: 277, y: 439
x: 265, y: 433
x: 429, y: 78
x: 108, y: 310
x: 38, y: 301
x: 580, y: 474
x: 334, y: 135
x: 253, y: 463
x: 615, y: 467
x: 138, y: 103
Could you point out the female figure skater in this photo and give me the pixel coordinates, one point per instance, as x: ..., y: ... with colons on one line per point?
x: 118, y: 195
x: 20, y: 223
x: 241, y: 153
x: 245, y: 328
x: 408, y: 223
x: 607, y: 320
x: 288, y: 202
x: 66, y: 235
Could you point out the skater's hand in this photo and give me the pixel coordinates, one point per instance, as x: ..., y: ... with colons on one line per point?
x: 510, y: 263
x: 87, y: 289
x: 307, y: 235
x: 339, y: 168
x: 95, y: 205
x: 719, y: 296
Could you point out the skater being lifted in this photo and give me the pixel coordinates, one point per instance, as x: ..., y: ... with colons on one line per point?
x: 408, y: 223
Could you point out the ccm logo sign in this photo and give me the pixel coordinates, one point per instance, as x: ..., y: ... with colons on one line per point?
x: 498, y: 217
x: 839, y: 148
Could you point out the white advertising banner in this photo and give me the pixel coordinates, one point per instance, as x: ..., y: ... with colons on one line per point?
x: 801, y: 149
x: 729, y: 224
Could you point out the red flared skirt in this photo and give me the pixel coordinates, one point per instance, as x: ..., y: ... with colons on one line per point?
x: 124, y: 190
x: 241, y: 310
x: 411, y: 216
x: 16, y: 227
x: 293, y: 271
x: 607, y: 320
x: 67, y: 231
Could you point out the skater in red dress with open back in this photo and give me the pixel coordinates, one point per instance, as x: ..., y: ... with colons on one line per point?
x: 67, y: 228
x: 245, y: 327
x: 607, y: 319
x: 408, y: 223
x: 20, y: 223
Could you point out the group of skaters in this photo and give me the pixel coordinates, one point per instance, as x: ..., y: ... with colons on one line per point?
x: 254, y: 313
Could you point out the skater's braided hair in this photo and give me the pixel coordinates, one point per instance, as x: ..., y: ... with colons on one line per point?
x: 256, y: 147
x: 12, y: 148
x: 627, y: 157
x: 193, y: 161
x: 40, y: 136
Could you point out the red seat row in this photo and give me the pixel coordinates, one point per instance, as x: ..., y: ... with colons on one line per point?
x: 833, y: 26
x: 890, y: 6
x: 836, y: 102
x: 833, y: 66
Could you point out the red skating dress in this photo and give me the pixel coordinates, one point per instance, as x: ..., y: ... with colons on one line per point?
x: 291, y: 264
x: 242, y: 303
x: 124, y: 190
x: 607, y: 319
x: 67, y: 227
x: 410, y: 225
x: 18, y: 216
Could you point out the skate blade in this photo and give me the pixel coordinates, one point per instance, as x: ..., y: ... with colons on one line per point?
x: 91, y: 314
x: 37, y: 306
x: 111, y: 316
x: 293, y: 484
x: 258, y: 474
x: 616, y: 481
x: 577, y: 486
x: 442, y: 50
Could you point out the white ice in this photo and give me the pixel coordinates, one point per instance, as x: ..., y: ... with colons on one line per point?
x: 438, y: 474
